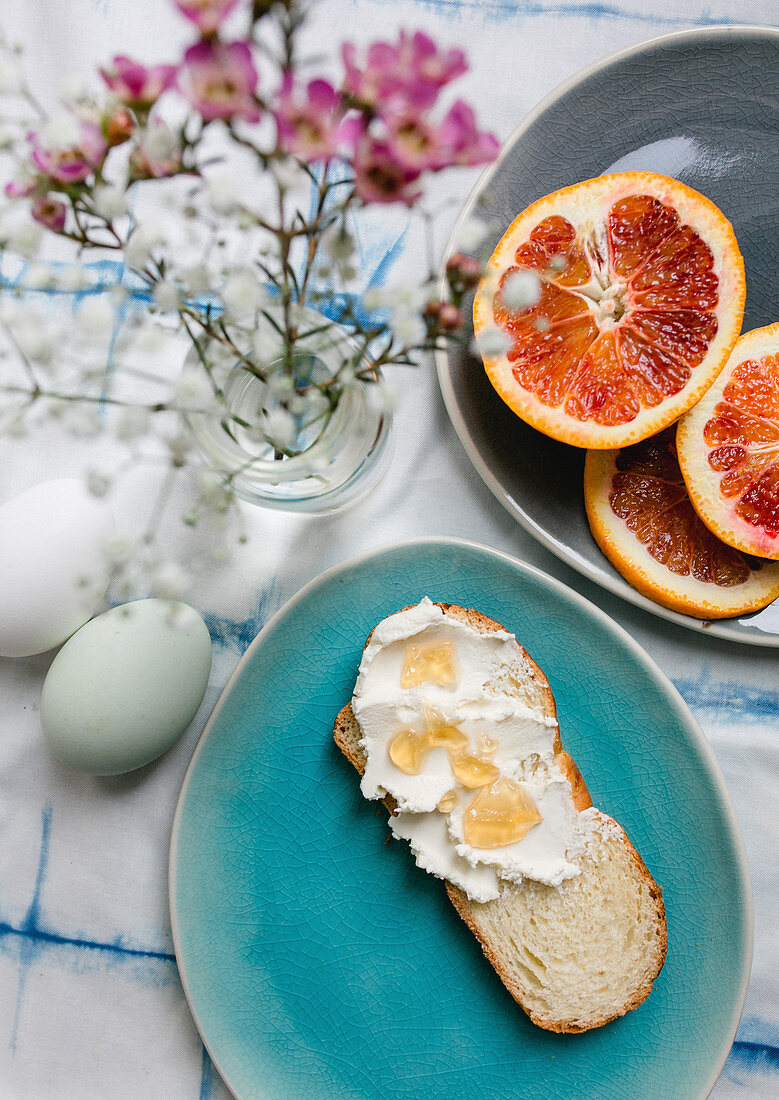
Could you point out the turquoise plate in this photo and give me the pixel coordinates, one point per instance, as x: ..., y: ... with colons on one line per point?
x: 320, y: 963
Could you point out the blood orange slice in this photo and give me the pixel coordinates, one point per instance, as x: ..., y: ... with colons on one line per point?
x: 641, y: 301
x: 729, y: 447
x: 642, y: 519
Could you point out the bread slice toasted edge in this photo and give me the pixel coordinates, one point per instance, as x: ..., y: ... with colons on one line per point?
x: 589, y: 943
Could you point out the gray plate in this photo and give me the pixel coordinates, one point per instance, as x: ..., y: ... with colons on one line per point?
x: 702, y: 106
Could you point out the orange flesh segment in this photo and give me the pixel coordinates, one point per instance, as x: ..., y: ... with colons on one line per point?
x: 649, y: 495
x: 661, y: 322
x: 552, y: 249
x: 744, y: 437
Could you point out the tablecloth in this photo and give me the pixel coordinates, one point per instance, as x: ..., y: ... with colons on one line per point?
x: 90, y: 1001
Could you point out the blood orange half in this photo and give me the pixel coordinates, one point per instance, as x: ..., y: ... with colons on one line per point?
x: 641, y: 300
x: 729, y: 447
x: 641, y: 517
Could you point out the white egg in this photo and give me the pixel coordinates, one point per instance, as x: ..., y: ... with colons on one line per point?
x: 53, y: 567
x: 126, y: 686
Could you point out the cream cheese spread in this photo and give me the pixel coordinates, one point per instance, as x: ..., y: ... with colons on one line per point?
x: 451, y: 733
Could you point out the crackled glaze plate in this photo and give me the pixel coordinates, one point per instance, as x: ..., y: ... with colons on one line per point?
x: 321, y: 964
x: 702, y: 106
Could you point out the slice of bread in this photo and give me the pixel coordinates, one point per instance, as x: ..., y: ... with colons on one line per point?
x: 573, y: 956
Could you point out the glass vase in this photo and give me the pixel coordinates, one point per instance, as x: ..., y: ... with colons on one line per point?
x: 334, y: 459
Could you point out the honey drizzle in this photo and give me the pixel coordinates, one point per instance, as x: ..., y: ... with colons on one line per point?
x: 501, y: 812
x: 425, y: 662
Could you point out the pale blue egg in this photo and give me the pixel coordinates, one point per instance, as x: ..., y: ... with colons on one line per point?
x: 125, y: 687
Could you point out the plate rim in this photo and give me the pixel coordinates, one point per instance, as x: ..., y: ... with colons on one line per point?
x: 616, y: 585
x: 650, y: 666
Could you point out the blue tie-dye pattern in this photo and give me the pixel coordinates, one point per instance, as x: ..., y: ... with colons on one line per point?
x: 208, y: 1077
x: 705, y: 694
x: 238, y: 634
x: 751, y: 1058
x: 504, y: 10
x: 29, y: 945
x: 30, y: 939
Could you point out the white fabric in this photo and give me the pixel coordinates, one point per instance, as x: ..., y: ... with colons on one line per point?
x: 90, y: 1002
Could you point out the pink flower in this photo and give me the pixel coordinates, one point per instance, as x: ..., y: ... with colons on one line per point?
x: 380, y: 176
x: 308, y: 122
x: 158, y: 154
x: 118, y: 126
x: 74, y: 164
x: 411, y: 73
x: 21, y: 189
x: 462, y: 272
x: 462, y: 143
x: 49, y: 212
x: 135, y: 84
x: 206, y: 14
x: 414, y: 142
x: 219, y: 80
x: 442, y: 316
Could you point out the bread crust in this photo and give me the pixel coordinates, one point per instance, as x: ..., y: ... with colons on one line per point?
x: 468, y: 909
x: 347, y: 736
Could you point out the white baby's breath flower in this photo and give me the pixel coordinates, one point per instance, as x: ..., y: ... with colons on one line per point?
x: 73, y: 89
x: 223, y: 190
x: 169, y: 581
x: 72, y: 278
x: 61, y: 131
x: 96, y: 316
x: 215, y: 499
x: 347, y: 374
x: 10, y: 81
x: 221, y: 555
x: 143, y: 240
x: 24, y: 238
x: 281, y: 385
x: 31, y: 333
x: 179, y: 446
x: 308, y: 406
x: 409, y: 328
x: 375, y: 298
x: 491, y: 342
x: 98, y: 484
x: 319, y: 463
x: 38, y: 277
x: 166, y: 295
x: 242, y: 294
x: 17, y: 427
x: 81, y: 422
x: 9, y: 134
x: 383, y: 395
x: 289, y: 175
x: 192, y: 390
x: 132, y: 423
x: 266, y: 346
x: 521, y: 290
x: 161, y: 142
x: 471, y: 234
x: 194, y: 278
x: 118, y: 549
x: 339, y: 243
x: 149, y: 340
x: 91, y: 371
x: 279, y: 428
x: 206, y: 481
x: 409, y: 297
x: 110, y: 202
